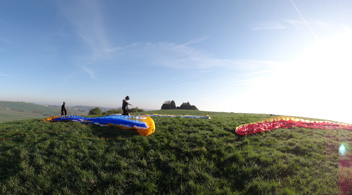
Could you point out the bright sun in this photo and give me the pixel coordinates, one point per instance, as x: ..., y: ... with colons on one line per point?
x: 327, y: 64
x: 318, y: 83
x: 330, y: 58
x: 327, y: 68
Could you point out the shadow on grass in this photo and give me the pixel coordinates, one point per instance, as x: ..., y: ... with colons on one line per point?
x: 106, y: 132
x: 230, y: 130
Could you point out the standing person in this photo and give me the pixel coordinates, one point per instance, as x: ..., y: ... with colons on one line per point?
x: 125, y: 105
x: 63, y: 109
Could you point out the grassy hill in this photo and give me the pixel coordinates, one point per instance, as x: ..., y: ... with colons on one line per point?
x: 10, y: 115
x: 21, y: 110
x: 183, y: 156
x: 29, y: 107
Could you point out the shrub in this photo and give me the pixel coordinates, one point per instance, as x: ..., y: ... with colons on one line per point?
x: 113, y: 111
x: 95, y: 111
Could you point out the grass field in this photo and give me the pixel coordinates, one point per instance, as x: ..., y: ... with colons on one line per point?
x: 183, y: 156
x: 9, y: 115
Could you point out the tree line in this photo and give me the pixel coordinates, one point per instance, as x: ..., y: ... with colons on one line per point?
x: 172, y: 105
x: 98, y: 111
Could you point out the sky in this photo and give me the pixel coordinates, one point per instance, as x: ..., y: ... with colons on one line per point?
x: 284, y: 57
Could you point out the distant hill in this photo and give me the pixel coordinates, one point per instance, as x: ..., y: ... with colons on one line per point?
x: 22, y: 110
x: 86, y: 109
x: 45, y: 109
x: 9, y: 115
x: 10, y: 111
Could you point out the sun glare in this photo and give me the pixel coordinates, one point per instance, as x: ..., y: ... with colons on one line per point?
x: 328, y: 63
x: 331, y: 57
x: 342, y: 150
x: 316, y: 84
x: 323, y: 71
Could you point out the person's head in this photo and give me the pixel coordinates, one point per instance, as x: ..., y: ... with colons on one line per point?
x: 64, y: 102
x: 127, y: 98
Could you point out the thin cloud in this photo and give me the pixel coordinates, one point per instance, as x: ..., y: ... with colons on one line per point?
x: 288, y: 23
x: 300, y: 23
x: 194, y: 41
x: 87, y: 19
x: 183, y: 56
x: 268, y: 26
x: 260, y: 77
x: 90, y: 72
x: 304, y: 20
x: 111, y: 50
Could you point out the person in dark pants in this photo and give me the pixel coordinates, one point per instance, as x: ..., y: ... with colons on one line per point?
x: 125, y: 105
x: 63, y: 109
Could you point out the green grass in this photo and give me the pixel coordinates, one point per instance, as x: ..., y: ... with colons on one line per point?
x: 9, y: 115
x: 183, y: 156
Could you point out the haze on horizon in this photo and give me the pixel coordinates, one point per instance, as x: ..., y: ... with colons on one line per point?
x: 285, y: 57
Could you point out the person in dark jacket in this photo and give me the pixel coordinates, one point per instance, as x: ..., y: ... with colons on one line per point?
x: 63, y: 109
x: 125, y: 106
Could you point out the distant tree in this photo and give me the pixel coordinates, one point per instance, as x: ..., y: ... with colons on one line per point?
x: 136, y: 109
x: 187, y: 106
x: 113, y: 111
x: 172, y: 105
x: 119, y: 111
x: 95, y: 111
x: 166, y: 105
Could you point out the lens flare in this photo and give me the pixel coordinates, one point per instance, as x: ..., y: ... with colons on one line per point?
x: 342, y: 150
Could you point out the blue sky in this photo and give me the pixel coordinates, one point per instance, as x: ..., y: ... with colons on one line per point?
x: 287, y: 57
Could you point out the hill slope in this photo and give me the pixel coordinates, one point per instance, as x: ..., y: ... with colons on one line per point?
x: 21, y: 110
x: 183, y: 156
x: 28, y: 107
x: 9, y: 115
